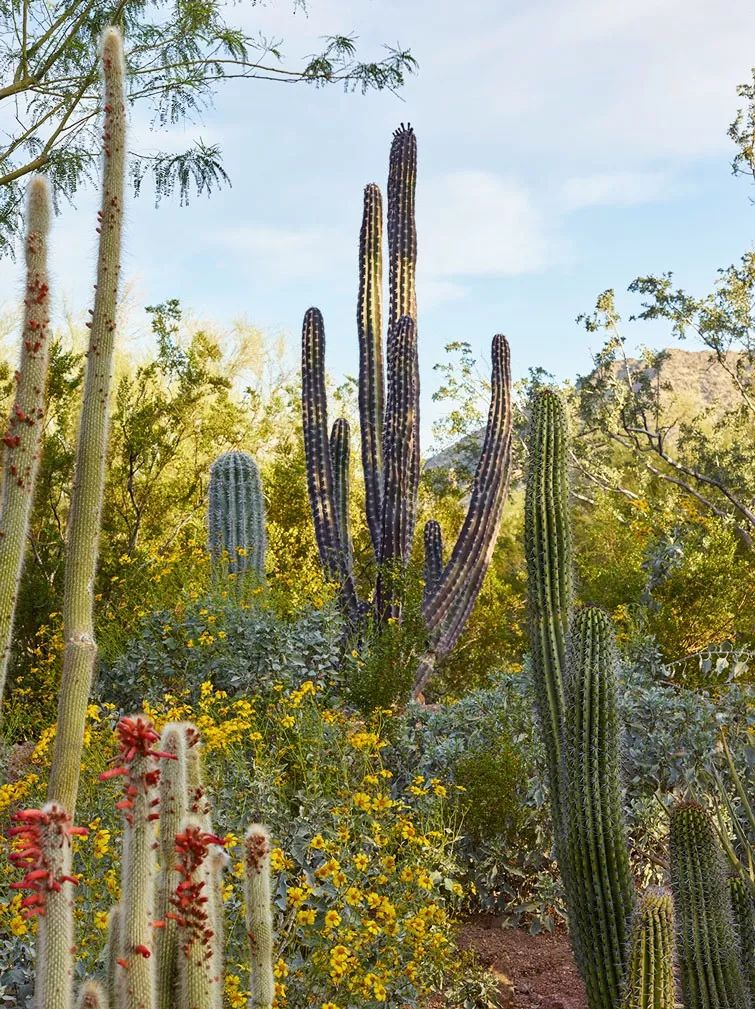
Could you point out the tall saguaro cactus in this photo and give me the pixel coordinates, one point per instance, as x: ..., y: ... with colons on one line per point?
x: 23, y: 437
x: 598, y: 883
x: 548, y: 550
x: 650, y: 972
x: 389, y: 432
x: 91, y: 448
x: 236, y: 514
x: 711, y: 974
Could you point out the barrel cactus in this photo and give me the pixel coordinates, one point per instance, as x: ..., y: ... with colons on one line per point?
x: 236, y: 515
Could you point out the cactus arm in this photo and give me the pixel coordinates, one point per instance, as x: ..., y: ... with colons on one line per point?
x: 24, y: 434
x: 399, y: 504
x: 548, y: 549
x: 45, y: 856
x: 447, y: 609
x: 650, y: 972
x: 433, y: 543
x: 598, y: 884
x: 402, y: 229
x: 173, y: 810
x: 236, y: 515
x: 711, y: 973
x: 340, y: 458
x: 320, y: 483
x: 89, y: 474
x: 92, y: 996
x: 259, y: 917
x: 113, y: 954
x: 370, y: 330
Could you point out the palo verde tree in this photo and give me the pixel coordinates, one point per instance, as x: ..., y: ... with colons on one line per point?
x: 177, y: 55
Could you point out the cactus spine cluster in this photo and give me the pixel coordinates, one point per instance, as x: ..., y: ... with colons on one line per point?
x: 23, y: 437
x: 151, y: 962
x: 91, y: 448
x: 236, y: 515
x: 743, y: 913
x: 650, y: 972
x: 598, y: 882
x: 711, y: 974
x: 389, y: 433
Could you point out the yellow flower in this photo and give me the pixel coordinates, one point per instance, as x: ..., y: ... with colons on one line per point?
x: 332, y: 919
x: 288, y: 721
x: 280, y: 968
x: 306, y: 917
x: 361, y: 861
x: 100, y: 920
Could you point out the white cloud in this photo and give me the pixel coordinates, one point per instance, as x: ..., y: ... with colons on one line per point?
x: 622, y: 189
x: 476, y: 223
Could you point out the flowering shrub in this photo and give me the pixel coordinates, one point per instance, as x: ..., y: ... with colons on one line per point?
x: 364, y: 871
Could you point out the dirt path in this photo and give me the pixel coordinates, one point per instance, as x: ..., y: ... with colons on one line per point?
x: 537, y: 971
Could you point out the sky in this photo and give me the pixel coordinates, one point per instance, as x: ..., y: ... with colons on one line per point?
x: 564, y: 148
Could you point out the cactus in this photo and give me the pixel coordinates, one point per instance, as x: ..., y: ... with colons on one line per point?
x: 650, y: 971
x: 549, y: 569
x: 743, y: 913
x: 598, y: 883
x: 142, y: 969
x: 259, y: 922
x: 46, y: 860
x: 711, y: 974
x: 92, y: 996
x: 24, y: 434
x: 174, y: 803
x: 389, y: 432
x: 433, y: 543
x: 340, y: 458
x: 236, y: 514
x: 89, y: 473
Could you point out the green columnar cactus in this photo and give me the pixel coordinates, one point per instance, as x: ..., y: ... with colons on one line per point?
x: 259, y: 916
x: 113, y: 956
x: 548, y: 549
x: 236, y: 514
x: 447, y: 610
x: 370, y: 329
x: 743, y: 913
x: 23, y: 437
x: 598, y: 883
x: 391, y: 483
x: 89, y: 473
x: 399, y: 504
x: 174, y: 802
x: 45, y: 857
x: 706, y: 944
x: 433, y: 543
x: 92, y: 996
x: 320, y: 482
x: 340, y: 457
x: 139, y: 767
x: 200, y: 964
x: 650, y: 971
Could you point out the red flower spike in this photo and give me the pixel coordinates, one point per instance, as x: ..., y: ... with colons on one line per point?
x: 46, y: 833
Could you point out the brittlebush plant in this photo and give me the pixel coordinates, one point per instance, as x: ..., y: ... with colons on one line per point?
x: 364, y: 883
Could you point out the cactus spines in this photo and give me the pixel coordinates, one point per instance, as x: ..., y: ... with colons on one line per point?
x: 200, y: 968
x: 45, y: 857
x: 89, y: 473
x: 114, y: 956
x: 139, y: 768
x: 706, y: 943
x: 22, y: 440
x: 548, y: 550
x: 743, y: 913
x: 650, y: 971
x: 370, y: 330
x: 174, y: 800
x: 447, y: 609
x: 598, y: 883
x: 433, y: 544
x: 320, y: 484
x: 340, y: 457
x: 399, y: 501
x: 259, y: 916
x: 92, y: 996
x: 236, y: 514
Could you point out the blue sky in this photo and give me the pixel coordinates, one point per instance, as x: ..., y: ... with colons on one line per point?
x: 564, y: 147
